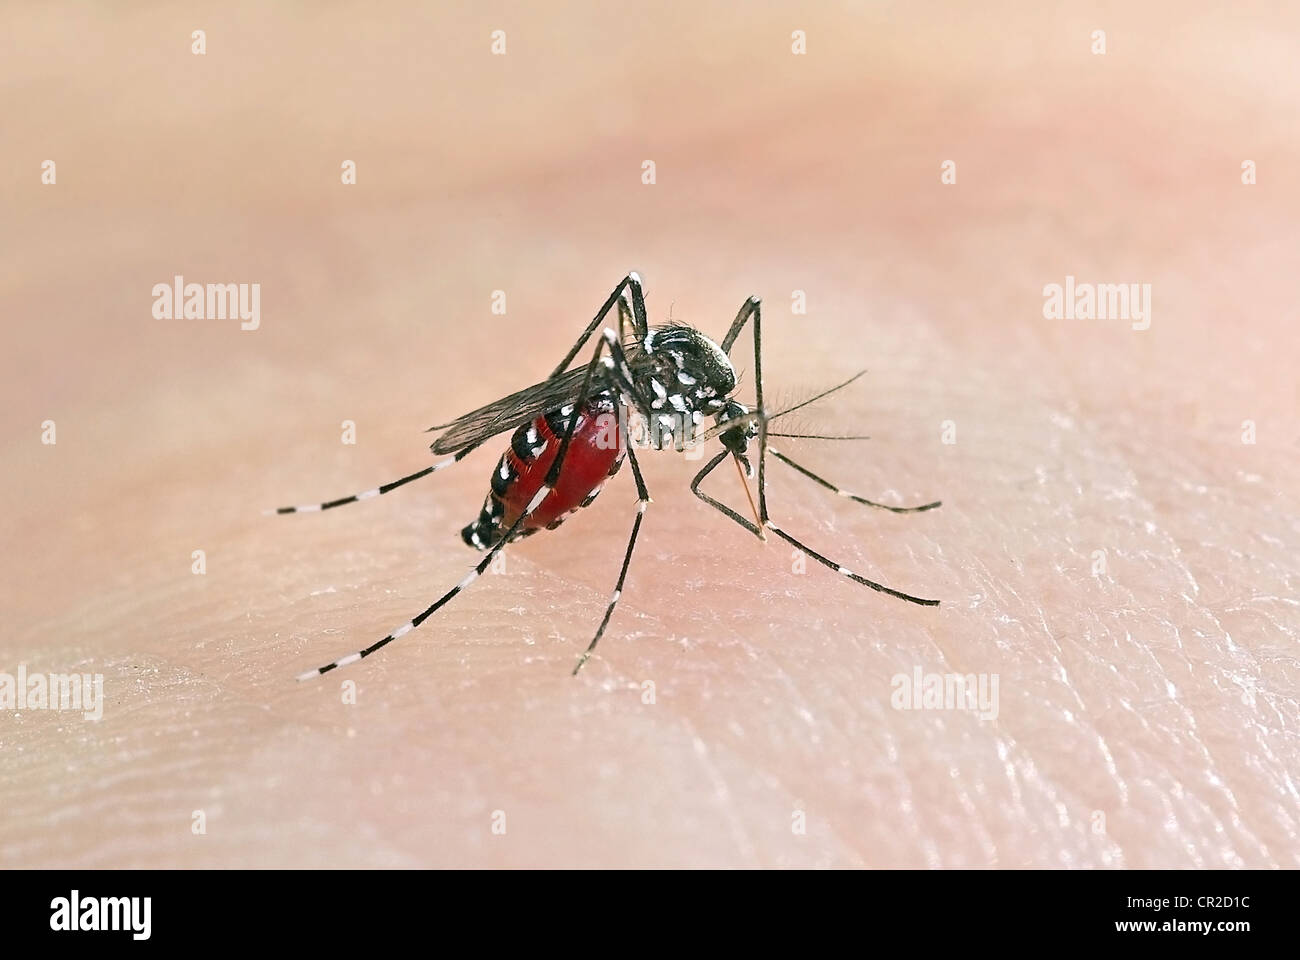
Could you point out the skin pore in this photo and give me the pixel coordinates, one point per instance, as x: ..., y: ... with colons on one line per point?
x: 1118, y: 537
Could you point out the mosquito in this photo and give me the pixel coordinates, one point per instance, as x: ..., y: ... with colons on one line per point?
x: 560, y: 455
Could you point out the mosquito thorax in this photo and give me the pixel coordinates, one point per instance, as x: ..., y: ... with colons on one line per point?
x: 687, y: 376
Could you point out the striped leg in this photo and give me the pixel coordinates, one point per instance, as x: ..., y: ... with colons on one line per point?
x: 752, y: 310
x: 845, y: 571
x: 548, y: 484
x: 768, y: 524
x: 716, y: 505
x: 643, y: 501
x: 631, y: 309
x: 377, y: 491
x: 442, y: 601
x: 629, y: 285
x: 844, y: 493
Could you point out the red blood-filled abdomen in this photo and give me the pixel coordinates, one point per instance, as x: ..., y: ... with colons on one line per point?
x: 594, y: 453
x: 591, y: 455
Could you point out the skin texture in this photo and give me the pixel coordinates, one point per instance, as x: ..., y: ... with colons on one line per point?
x: 1147, y: 710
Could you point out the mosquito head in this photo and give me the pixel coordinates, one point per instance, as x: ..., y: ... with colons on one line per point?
x: 737, y: 438
x: 690, y: 372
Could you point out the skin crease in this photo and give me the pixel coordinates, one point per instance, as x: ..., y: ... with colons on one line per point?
x: 1147, y: 711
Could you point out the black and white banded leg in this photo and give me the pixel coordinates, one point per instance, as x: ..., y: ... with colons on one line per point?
x: 543, y: 491
x: 434, y: 607
x: 752, y: 310
x: 631, y: 309
x: 629, y: 285
x: 769, y: 525
x: 844, y: 493
x: 845, y: 571
x: 380, y: 490
x: 643, y: 501
x: 716, y: 504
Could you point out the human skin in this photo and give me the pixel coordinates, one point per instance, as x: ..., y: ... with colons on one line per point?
x: 1108, y: 547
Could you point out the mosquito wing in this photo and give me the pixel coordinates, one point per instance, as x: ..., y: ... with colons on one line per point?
x: 509, y: 412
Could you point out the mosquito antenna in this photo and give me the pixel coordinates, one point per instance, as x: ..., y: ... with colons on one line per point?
x: 814, y: 436
x: 754, y: 416
x: 822, y: 395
